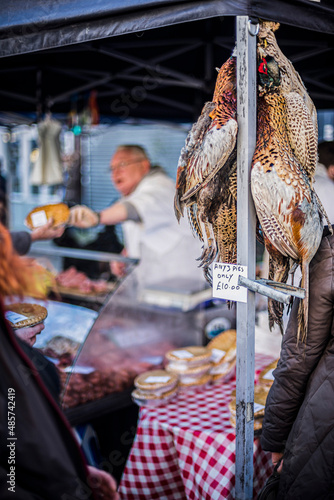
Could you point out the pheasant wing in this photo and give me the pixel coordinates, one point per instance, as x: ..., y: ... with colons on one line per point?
x: 302, y: 136
x: 211, y: 156
x: 194, y: 138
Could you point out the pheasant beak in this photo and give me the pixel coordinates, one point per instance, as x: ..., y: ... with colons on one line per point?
x: 213, y: 114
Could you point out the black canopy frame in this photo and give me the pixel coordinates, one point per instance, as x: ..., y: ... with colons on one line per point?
x: 154, y: 59
x: 146, y: 59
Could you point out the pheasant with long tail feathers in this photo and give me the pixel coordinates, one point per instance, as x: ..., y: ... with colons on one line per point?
x: 207, y: 163
x: 286, y: 204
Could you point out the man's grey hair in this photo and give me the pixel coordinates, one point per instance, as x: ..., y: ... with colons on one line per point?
x: 133, y: 148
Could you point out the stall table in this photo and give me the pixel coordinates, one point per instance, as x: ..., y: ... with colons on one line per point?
x: 186, y: 449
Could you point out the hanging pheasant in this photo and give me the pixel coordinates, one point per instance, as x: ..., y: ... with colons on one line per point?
x: 206, y: 174
x: 286, y: 204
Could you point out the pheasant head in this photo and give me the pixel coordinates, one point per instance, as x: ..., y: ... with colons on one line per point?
x: 269, y: 76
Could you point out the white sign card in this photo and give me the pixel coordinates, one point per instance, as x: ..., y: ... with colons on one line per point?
x: 225, y: 281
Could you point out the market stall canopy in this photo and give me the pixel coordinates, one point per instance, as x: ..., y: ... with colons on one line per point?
x: 147, y: 59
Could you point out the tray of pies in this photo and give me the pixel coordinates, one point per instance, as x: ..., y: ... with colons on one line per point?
x: 21, y: 315
x: 38, y: 216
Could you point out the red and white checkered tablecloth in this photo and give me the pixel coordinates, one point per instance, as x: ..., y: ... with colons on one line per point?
x: 186, y: 449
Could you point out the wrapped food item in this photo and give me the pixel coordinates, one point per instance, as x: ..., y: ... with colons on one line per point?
x: 223, y: 358
x: 192, y: 376
x: 22, y: 315
x: 39, y: 216
x: 191, y: 365
x: 187, y: 357
x: 154, y: 388
x: 142, y: 398
x: 189, y: 382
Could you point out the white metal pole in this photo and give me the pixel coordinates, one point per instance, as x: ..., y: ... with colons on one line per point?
x: 246, y: 108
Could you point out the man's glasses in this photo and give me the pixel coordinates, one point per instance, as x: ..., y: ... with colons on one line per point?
x: 123, y: 165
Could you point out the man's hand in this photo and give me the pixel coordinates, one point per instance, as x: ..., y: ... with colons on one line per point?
x: 83, y: 217
x: 118, y: 267
x: 47, y: 232
x: 103, y: 484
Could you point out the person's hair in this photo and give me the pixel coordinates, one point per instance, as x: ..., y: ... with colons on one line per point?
x: 133, y: 148
x: 326, y: 153
x: 19, y: 276
x: 13, y: 269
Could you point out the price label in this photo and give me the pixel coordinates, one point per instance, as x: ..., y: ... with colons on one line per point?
x: 225, y: 281
x: 182, y: 354
x: 217, y: 355
x: 157, y: 379
x: 39, y: 218
x: 14, y: 317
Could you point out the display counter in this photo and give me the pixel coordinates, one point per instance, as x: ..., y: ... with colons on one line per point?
x: 75, y: 287
x: 99, y: 353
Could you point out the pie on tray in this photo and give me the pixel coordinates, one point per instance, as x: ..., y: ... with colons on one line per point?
x: 21, y: 315
x: 188, y: 357
x: 224, y: 341
x: 39, y: 216
x: 154, y: 388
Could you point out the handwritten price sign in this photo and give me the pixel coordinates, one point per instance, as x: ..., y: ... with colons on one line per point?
x: 225, y: 281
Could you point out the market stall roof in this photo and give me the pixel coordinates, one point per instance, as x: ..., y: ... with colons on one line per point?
x: 146, y: 59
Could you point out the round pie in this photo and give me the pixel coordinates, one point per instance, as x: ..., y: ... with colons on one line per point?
x: 154, y: 388
x: 21, y: 315
x: 156, y: 382
x: 225, y: 341
x: 188, y: 357
x: 145, y: 398
x: 223, y: 359
x: 59, y: 212
x: 197, y: 383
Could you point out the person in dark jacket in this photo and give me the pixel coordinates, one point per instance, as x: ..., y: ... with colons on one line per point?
x: 298, y: 424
